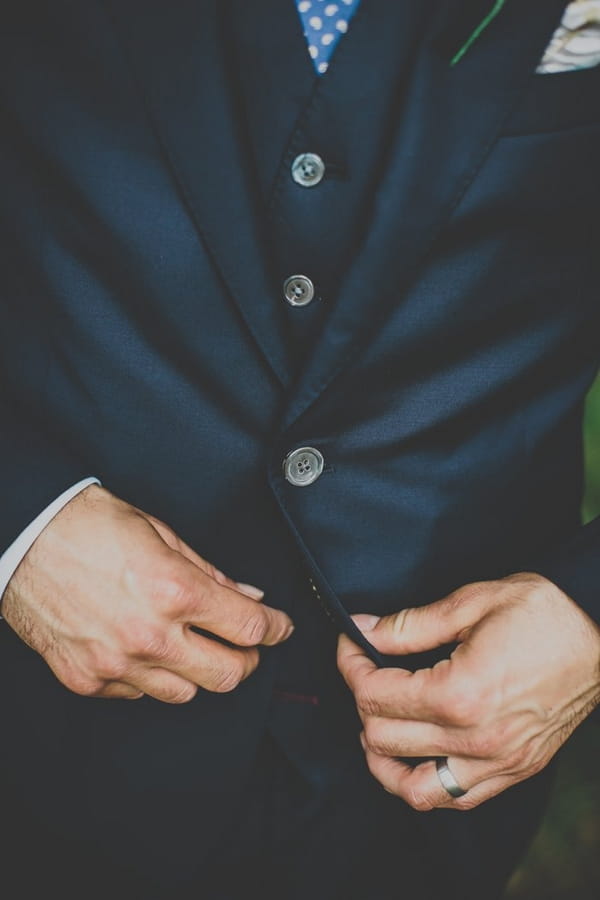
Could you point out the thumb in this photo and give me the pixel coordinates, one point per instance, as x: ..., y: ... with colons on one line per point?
x: 175, y: 543
x: 416, y: 629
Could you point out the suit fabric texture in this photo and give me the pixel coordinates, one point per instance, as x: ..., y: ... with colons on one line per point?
x: 148, y: 222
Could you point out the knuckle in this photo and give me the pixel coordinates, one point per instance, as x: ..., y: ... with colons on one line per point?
x: 376, y: 739
x: 467, y: 593
x: 401, y: 620
x: 486, y: 745
x: 253, y: 629
x: 227, y: 680
x: 148, y: 641
x: 513, y: 761
x: 463, y: 703
x: 464, y: 804
x: 122, y: 692
x: 182, y: 694
x: 84, y: 685
x: 108, y: 666
x: 365, y: 700
x: 521, y: 760
x: 419, y: 801
x: 534, y: 767
x: 171, y: 591
x: 113, y: 670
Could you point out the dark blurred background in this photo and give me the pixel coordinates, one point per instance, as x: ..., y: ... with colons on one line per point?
x: 564, y: 860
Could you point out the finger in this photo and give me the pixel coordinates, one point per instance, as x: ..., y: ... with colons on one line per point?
x: 249, y: 590
x: 421, y: 788
x: 420, y: 696
x: 119, y: 690
x: 212, y: 665
x: 195, y: 659
x: 396, y: 737
x: 176, y: 543
x: 417, y: 629
x: 226, y: 612
x: 480, y: 781
x: 164, y: 685
x: 353, y: 663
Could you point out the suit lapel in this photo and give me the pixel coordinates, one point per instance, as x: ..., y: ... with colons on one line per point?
x: 446, y: 126
x: 177, y: 56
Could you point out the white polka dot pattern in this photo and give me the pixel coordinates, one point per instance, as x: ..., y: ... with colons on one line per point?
x: 324, y: 24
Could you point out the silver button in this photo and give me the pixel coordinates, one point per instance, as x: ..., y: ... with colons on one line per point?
x: 308, y: 169
x: 303, y: 466
x: 298, y: 290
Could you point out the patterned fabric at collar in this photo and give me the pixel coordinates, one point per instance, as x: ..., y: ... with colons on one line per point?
x: 324, y: 24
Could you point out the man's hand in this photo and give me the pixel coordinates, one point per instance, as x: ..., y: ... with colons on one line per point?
x: 525, y: 673
x: 107, y: 595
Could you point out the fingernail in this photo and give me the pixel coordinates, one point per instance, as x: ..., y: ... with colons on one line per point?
x: 365, y: 623
x: 250, y: 591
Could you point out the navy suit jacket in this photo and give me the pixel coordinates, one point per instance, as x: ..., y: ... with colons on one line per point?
x: 142, y: 341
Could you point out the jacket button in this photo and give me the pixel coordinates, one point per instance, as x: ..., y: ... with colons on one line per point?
x: 308, y: 169
x: 303, y: 466
x: 298, y: 290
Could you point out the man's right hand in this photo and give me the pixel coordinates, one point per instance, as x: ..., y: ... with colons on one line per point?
x: 107, y: 595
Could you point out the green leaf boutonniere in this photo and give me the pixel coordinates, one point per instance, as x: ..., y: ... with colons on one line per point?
x: 497, y: 7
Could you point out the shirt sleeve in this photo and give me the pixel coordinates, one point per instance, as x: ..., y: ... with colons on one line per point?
x: 10, y: 559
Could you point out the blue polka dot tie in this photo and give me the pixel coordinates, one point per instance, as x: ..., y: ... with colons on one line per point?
x: 324, y: 24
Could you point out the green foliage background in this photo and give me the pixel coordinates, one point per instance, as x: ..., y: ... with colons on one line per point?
x: 592, y: 453
x: 564, y: 861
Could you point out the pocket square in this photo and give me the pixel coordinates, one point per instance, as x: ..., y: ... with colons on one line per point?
x: 576, y: 42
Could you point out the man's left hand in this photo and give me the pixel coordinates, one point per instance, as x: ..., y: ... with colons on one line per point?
x: 525, y: 673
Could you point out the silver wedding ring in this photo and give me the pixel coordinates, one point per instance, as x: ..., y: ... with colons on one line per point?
x: 449, y: 782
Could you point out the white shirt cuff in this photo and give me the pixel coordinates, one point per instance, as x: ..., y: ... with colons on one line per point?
x: 10, y: 559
